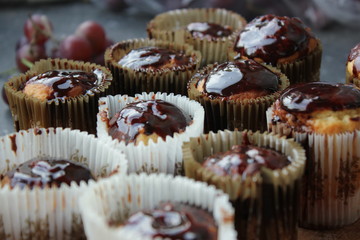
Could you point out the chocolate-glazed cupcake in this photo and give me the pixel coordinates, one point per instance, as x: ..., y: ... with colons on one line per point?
x: 42, y: 174
x: 150, y: 128
x: 47, y: 172
x: 353, y: 66
x: 236, y: 94
x: 325, y: 119
x: 173, y: 221
x: 143, y: 65
x: 58, y: 93
x: 209, y: 30
x: 144, y: 120
x: 283, y: 42
x: 160, y: 207
x: 261, y: 174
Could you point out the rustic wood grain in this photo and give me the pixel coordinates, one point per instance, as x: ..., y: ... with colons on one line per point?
x: 351, y: 232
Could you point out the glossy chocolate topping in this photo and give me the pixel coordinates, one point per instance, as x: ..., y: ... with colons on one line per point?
x: 309, y: 97
x: 354, y: 55
x: 147, y: 117
x: 232, y: 78
x: 48, y: 172
x: 245, y: 160
x: 174, y: 221
x: 68, y: 83
x: 271, y: 37
x: 154, y: 58
x: 208, y: 30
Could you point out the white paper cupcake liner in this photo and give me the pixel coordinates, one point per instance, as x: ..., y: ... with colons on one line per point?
x: 331, y: 184
x: 162, y: 156
x: 116, y: 198
x: 52, y: 212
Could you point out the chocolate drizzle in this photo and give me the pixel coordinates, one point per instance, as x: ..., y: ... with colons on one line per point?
x: 174, y: 221
x: 210, y: 31
x: 147, y: 117
x: 354, y: 55
x: 48, y: 172
x: 232, y: 78
x: 245, y: 160
x: 154, y: 58
x: 67, y: 83
x: 271, y: 38
x: 309, y: 97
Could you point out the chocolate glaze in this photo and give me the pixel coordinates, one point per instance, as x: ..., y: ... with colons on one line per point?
x: 147, y: 117
x: 309, y: 97
x: 47, y: 172
x: 174, y: 221
x: 154, y: 57
x: 63, y: 82
x: 231, y: 78
x: 210, y: 31
x: 271, y: 37
x: 245, y: 160
x: 354, y: 55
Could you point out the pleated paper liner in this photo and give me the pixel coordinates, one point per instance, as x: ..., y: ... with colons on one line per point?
x: 266, y: 203
x: 52, y: 212
x: 171, y: 26
x: 163, y: 155
x: 169, y: 80
x: 306, y: 69
x: 234, y: 114
x: 331, y: 183
x: 113, y: 200
x: 350, y: 78
x: 74, y: 112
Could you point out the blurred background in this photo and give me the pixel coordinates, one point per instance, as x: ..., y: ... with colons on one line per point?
x: 335, y: 23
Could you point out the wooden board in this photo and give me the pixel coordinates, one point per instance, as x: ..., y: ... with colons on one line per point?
x: 351, y: 232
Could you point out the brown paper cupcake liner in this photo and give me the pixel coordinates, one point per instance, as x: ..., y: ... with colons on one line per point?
x: 234, y: 114
x: 75, y: 112
x: 171, y: 26
x: 102, y: 205
x: 169, y: 80
x: 331, y: 183
x: 51, y: 212
x: 306, y: 69
x: 265, y: 204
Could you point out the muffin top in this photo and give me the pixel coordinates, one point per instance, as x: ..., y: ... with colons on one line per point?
x: 174, y: 221
x: 273, y: 39
x: 319, y: 107
x: 353, y: 61
x: 42, y: 172
x: 62, y: 84
x: 152, y: 58
x: 243, y: 79
x: 244, y: 160
x: 145, y: 120
x: 209, y: 31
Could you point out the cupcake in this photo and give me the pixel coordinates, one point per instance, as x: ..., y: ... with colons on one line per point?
x: 236, y: 94
x: 143, y: 65
x: 150, y: 128
x: 325, y: 119
x: 353, y: 66
x: 283, y: 42
x: 209, y: 30
x: 156, y: 207
x: 42, y: 174
x: 58, y: 93
x: 261, y: 174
